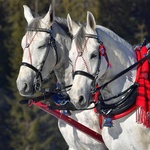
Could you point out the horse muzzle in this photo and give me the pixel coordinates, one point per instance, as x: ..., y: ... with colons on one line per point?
x: 25, y: 88
x: 80, y: 102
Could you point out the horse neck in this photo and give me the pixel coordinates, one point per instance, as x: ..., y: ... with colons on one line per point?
x: 63, y: 68
x: 121, y: 55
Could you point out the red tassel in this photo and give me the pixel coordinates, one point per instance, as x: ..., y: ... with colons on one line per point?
x: 143, y: 98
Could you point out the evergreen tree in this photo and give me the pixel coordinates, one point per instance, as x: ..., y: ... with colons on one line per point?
x: 77, y: 9
x: 5, y: 123
x: 4, y: 33
x: 126, y: 18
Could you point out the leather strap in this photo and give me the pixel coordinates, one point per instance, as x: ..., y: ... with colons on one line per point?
x: 33, y: 68
x: 79, y: 72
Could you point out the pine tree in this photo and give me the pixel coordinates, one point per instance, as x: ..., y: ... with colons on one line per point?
x: 5, y: 123
x: 77, y: 9
x: 5, y: 53
x: 126, y: 17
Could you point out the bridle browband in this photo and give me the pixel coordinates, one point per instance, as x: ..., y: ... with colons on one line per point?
x: 52, y: 43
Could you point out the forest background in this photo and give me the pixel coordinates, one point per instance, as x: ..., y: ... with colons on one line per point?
x: 27, y: 128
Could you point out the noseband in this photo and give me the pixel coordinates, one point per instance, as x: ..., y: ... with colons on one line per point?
x: 51, y: 42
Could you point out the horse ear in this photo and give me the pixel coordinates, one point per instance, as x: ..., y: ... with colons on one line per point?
x: 49, y: 17
x: 28, y: 14
x: 91, y: 23
x: 71, y: 24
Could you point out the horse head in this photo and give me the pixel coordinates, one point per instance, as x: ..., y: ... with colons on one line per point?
x: 87, y: 62
x: 39, y: 56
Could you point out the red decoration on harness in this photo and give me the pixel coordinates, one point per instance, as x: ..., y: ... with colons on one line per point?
x: 142, y: 105
x: 103, y: 53
x: 95, y: 96
x: 143, y: 98
x: 102, y: 50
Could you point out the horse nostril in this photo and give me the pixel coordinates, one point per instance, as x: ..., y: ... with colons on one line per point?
x: 81, y: 98
x: 25, y: 86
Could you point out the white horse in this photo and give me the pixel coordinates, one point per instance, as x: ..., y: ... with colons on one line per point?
x: 91, y: 68
x: 41, y: 55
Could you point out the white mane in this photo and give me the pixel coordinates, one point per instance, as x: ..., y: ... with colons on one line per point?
x: 115, y: 36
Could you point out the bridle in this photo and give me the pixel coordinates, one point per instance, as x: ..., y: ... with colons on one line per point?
x: 51, y: 43
x: 101, y: 51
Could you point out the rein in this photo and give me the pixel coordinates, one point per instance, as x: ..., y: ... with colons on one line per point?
x: 124, y: 71
x: 66, y: 105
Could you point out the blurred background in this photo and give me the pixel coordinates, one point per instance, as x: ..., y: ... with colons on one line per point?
x: 27, y: 128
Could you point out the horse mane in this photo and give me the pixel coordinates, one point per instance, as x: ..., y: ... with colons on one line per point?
x: 35, y: 23
x: 115, y: 36
x: 63, y: 24
x: 80, y: 37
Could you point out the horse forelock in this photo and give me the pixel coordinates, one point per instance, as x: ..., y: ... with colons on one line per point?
x: 80, y: 38
x: 35, y: 23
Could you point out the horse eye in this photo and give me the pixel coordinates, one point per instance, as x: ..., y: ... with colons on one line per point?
x: 93, y: 56
x: 42, y: 46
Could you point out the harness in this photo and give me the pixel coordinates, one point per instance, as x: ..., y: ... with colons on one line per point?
x: 102, y: 52
x: 51, y: 43
x: 125, y: 105
x: 107, y: 110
